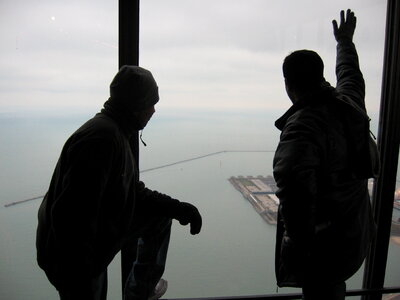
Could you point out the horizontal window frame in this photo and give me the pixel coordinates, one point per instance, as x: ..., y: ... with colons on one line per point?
x: 289, y: 296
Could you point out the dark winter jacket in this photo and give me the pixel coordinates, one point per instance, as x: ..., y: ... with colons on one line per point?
x: 325, y: 223
x: 94, y: 201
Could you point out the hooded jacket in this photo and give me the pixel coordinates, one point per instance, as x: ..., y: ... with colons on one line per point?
x: 325, y: 223
x: 95, y: 200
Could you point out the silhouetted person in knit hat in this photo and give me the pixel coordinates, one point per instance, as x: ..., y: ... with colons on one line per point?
x: 321, y: 167
x: 96, y: 204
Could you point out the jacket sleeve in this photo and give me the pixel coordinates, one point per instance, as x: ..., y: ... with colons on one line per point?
x: 76, y: 211
x: 297, y: 165
x: 350, y: 81
x: 155, y: 203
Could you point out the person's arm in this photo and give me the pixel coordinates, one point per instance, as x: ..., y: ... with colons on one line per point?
x: 163, y: 205
x: 350, y: 81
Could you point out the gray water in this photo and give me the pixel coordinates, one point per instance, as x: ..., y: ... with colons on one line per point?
x: 233, y: 255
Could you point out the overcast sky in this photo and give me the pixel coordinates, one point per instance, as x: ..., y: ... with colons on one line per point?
x: 218, y: 55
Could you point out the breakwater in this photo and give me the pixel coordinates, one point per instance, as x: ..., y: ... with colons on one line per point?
x: 156, y: 168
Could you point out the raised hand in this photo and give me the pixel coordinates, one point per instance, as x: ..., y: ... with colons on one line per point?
x: 347, y: 26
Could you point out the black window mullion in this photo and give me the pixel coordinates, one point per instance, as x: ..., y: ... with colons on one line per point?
x: 128, y: 54
x: 388, y: 144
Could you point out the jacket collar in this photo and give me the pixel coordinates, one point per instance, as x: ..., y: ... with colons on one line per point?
x: 125, y: 118
x: 325, y: 92
x: 280, y: 123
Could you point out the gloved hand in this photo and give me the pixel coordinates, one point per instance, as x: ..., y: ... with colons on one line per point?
x: 187, y: 213
x: 345, y: 30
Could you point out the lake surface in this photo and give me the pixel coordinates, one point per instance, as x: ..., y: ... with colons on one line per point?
x: 233, y: 255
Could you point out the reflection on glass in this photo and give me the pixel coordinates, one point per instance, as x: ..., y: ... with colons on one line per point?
x: 396, y: 216
x: 391, y: 297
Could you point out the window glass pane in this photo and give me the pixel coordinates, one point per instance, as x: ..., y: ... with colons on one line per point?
x: 392, y: 272
x: 57, y: 59
x: 218, y: 67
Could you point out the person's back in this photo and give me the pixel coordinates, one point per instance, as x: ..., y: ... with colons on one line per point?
x: 325, y: 223
x: 99, y: 139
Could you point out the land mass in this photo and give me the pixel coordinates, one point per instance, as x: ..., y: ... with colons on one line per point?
x: 260, y: 192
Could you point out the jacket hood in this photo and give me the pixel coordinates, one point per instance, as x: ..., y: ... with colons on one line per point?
x: 134, y: 88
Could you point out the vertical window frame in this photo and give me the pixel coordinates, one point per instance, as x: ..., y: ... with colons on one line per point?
x: 388, y: 145
x: 128, y: 54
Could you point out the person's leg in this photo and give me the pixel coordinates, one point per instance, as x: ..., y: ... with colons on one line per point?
x: 150, y: 261
x: 324, y: 291
x: 94, y: 289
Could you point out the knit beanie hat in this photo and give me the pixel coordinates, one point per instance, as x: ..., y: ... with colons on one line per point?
x: 134, y: 88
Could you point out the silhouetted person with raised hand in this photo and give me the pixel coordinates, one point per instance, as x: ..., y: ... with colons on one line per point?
x: 321, y: 166
x: 96, y: 204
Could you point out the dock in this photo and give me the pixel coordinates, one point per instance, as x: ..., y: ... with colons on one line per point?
x: 260, y: 192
